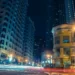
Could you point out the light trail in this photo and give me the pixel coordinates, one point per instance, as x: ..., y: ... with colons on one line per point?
x: 20, y: 68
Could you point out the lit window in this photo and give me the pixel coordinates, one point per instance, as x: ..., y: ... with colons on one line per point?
x: 66, y: 39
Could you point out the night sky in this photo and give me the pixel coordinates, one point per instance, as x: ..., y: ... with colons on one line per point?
x: 37, y: 12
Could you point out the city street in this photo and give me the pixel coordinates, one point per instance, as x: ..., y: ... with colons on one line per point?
x: 32, y: 73
x: 37, y: 37
x: 20, y: 73
x: 20, y: 70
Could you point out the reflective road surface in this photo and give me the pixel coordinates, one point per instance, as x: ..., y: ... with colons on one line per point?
x: 21, y: 70
x: 21, y: 73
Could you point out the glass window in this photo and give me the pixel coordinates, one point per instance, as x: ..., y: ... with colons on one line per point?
x: 6, y: 18
x: 1, y: 45
x: 6, y: 43
x: 66, y: 39
x: 66, y: 51
x: 9, y: 45
x: 61, y: 60
x: 7, y: 37
x: 5, y: 24
x: 0, y: 16
x: 2, y: 41
x: 73, y: 51
x: 73, y: 60
x: 4, y: 2
x: 5, y: 48
x: 4, y: 29
x: 3, y: 35
x: 1, y: 12
x: 8, y: 9
x: 58, y: 51
x: 0, y: 19
x: 3, y: 55
x: 57, y: 40
x: 2, y: 7
x: 7, y: 13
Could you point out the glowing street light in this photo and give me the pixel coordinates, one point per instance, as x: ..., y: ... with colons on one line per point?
x: 26, y: 60
x: 74, y: 28
x: 48, y: 56
x: 10, y: 57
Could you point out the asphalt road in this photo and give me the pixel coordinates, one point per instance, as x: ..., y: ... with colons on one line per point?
x: 21, y: 73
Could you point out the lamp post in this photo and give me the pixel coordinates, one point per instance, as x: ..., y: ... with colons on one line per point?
x: 48, y: 56
x: 26, y: 61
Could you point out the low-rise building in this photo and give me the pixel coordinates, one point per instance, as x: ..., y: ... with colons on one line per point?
x: 64, y: 45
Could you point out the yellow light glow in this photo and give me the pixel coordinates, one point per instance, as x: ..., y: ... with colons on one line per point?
x: 26, y: 60
x: 74, y: 28
x: 11, y: 55
x: 48, y: 55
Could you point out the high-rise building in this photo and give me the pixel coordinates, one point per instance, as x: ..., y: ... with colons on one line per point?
x: 12, y: 23
x: 59, y: 12
x: 70, y: 10
x: 29, y: 39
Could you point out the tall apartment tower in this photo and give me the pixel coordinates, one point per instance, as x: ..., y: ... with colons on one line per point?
x: 12, y: 23
x: 70, y: 10
x: 29, y: 39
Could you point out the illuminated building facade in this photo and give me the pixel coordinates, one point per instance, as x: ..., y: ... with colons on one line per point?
x: 12, y: 23
x: 64, y: 45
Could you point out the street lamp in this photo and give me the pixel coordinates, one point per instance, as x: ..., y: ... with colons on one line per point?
x: 26, y: 60
x: 74, y: 28
x: 48, y: 56
x: 10, y: 57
